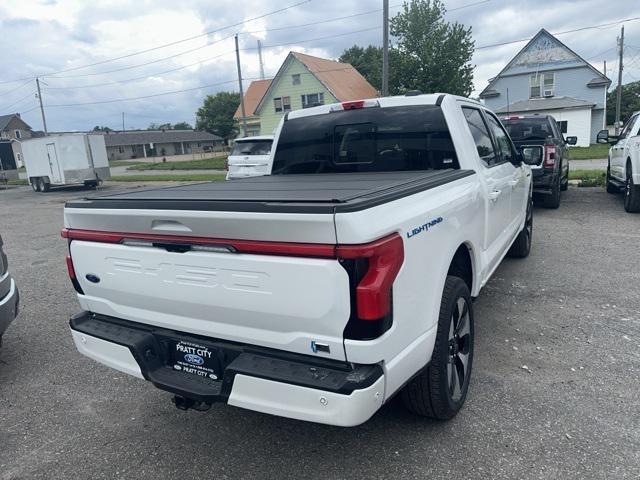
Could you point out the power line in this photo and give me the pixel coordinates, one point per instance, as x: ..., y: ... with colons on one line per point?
x: 166, y: 44
x: 115, y: 82
x: 7, y: 92
x: 30, y: 94
x: 631, y: 19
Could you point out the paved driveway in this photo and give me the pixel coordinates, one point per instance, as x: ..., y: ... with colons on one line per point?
x: 570, y: 313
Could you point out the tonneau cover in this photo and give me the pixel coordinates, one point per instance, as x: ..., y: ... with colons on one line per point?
x: 309, y: 193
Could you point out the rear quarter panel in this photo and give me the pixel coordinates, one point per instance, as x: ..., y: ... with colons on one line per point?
x: 456, y: 212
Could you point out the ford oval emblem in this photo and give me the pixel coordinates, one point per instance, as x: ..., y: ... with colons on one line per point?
x: 194, y: 359
x: 92, y: 278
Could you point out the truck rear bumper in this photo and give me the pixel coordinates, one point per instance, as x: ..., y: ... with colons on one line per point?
x: 265, y: 380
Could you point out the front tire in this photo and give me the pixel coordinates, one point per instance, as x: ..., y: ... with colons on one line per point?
x: 631, y: 194
x: 440, y: 390
x: 44, y: 185
x: 610, y: 187
x: 522, y: 245
x: 35, y: 184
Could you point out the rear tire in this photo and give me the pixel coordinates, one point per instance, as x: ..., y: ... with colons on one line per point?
x: 553, y: 200
x: 439, y: 391
x: 631, y: 194
x: 44, y: 185
x: 35, y: 184
x: 522, y: 245
x: 564, y: 184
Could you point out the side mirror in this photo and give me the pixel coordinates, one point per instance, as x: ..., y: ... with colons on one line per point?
x: 532, y: 155
x: 604, y: 137
x: 571, y: 140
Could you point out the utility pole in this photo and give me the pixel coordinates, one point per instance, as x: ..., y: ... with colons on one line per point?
x: 122, y: 122
x: 260, y: 58
x: 385, y: 48
x: 604, y: 115
x: 244, y: 117
x: 619, y: 92
x: 44, y: 120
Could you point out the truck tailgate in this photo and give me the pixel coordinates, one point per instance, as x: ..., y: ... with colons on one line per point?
x: 268, y: 300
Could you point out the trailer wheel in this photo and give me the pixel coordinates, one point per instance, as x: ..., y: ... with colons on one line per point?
x: 35, y: 184
x: 44, y: 185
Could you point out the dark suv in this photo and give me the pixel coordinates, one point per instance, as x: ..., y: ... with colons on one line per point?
x: 552, y: 174
x: 8, y: 294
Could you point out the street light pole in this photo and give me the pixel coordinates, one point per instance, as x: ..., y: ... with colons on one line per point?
x: 385, y: 48
x: 244, y: 117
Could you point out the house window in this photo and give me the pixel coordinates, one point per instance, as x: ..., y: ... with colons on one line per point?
x: 295, y: 79
x: 17, y: 134
x: 282, y: 104
x: 541, y: 85
x: 312, y: 99
x: 120, y: 149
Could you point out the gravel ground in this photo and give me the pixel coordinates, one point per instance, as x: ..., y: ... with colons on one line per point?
x: 570, y: 313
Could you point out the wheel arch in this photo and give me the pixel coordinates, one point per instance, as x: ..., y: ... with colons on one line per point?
x: 463, y: 265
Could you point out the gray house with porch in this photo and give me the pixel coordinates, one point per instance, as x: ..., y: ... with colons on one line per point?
x: 159, y: 143
x: 547, y: 77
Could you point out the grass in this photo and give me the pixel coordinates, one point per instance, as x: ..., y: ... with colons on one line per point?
x: 588, y: 178
x: 598, y: 150
x: 204, y: 164
x: 170, y: 177
x: 124, y: 163
x: 21, y: 181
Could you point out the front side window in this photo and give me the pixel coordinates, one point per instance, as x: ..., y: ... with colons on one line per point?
x: 312, y: 100
x: 481, y: 136
x: 502, y: 139
x: 626, y: 130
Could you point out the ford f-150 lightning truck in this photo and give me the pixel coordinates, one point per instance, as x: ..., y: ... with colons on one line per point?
x: 322, y: 290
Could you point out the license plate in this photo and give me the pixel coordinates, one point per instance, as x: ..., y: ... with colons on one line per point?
x: 194, y: 359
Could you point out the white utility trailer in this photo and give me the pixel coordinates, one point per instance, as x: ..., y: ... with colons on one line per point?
x: 66, y: 159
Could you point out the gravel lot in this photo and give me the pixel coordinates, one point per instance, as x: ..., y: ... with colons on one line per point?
x: 570, y: 313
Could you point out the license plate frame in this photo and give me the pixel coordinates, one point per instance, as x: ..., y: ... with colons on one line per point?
x: 194, y: 359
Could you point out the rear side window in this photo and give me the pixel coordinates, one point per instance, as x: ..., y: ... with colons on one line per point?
x: 371, y: 139
x: 252, y: 147
x: 481, y: 136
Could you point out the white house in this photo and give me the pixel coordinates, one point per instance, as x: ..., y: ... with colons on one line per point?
x: 547, y: 77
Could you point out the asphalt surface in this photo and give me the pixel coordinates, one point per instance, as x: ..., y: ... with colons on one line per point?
x: 595, y: 164
x: 570, y: 313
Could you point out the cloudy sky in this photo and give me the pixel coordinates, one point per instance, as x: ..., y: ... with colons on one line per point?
x: 75, y: 45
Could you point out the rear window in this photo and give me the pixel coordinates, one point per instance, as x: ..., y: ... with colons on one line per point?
x: 251, y: 147
x: 367, y: 140
x: 528, y: 128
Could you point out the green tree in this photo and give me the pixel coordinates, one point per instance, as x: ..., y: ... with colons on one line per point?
x: 216, y: 114
x: 98, y: 128
x: 159, y: 126
x: 182, y: 126
x: 629, y: 103
x: 429, y: 53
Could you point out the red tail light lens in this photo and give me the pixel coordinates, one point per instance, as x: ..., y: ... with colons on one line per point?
x: 549, y: 155
x: 353, y: 105
x: 70, y: 269
x: 373, y: 293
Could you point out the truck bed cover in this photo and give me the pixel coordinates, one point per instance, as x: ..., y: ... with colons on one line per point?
x: 309, y: 193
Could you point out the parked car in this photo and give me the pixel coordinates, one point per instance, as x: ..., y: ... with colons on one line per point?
x: 551, y: 176
x: 68, y: 159
x: 9, y: 297
x: 623, y: 169
x: 322, y: 290
x: 249, y: 157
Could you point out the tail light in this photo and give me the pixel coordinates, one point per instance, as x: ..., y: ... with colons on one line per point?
x: 70, y: 268
x: 372, y: 269
x: 549, y: 156
x: 354, y: 105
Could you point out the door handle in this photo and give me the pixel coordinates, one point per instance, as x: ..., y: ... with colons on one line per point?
x: 493, y: 196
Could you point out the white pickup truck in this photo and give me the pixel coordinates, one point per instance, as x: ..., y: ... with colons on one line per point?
x: 623, y: 169
x: 322, y: 290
